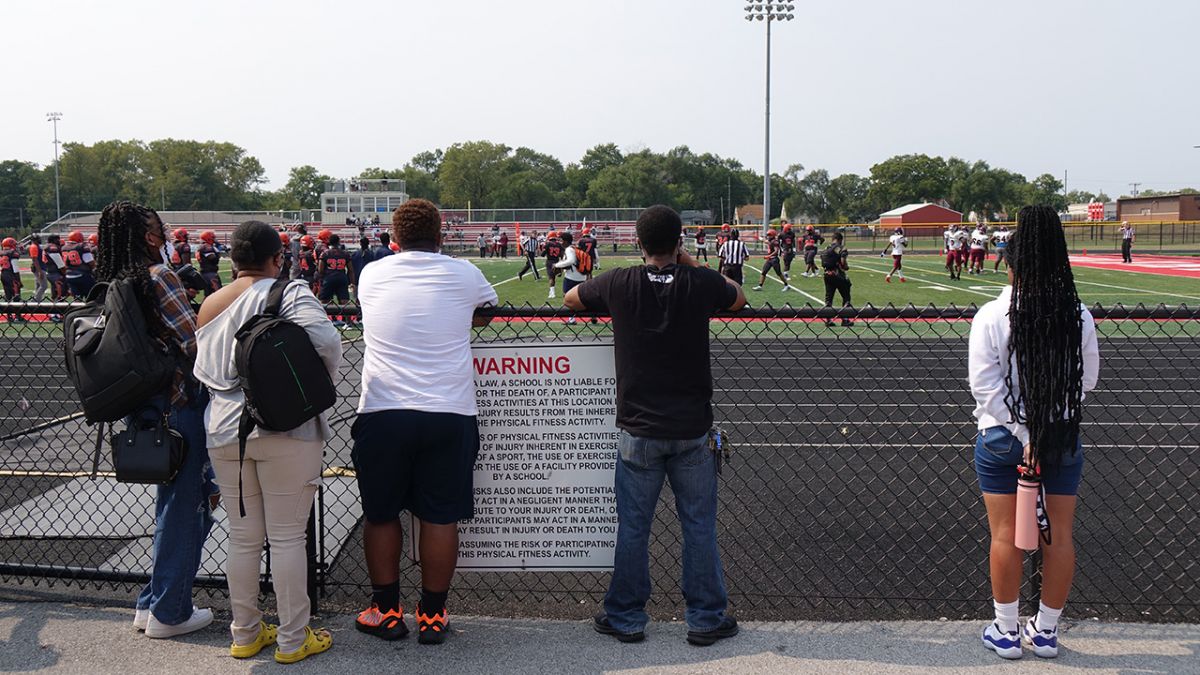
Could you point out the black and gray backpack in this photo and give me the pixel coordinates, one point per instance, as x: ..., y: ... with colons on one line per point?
x: 282, y: 376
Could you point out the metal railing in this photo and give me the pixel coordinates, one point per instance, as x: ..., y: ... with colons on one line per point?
x: 850, y: 494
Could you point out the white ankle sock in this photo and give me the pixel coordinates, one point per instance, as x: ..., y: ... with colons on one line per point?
x: 1006, y: 615
x: 1047, y: 617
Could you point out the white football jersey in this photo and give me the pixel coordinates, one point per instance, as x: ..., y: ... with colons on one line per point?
x: 1001, y: 237
x: 955, y: 240
x: 979, y: 240
x: 898, y: 242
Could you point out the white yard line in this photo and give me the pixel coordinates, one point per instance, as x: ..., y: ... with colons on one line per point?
x: 819, y: 301
x: 860, y: 264
x: 1138, y: 291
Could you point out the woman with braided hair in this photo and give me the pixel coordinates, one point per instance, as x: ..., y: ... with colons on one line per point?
x: 134, y: 246
x: 1033, y: 357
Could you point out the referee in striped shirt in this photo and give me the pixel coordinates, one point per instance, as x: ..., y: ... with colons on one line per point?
x: 732, y: 255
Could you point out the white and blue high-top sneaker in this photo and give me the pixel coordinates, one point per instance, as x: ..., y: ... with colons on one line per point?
x: 1006, y: 645
x: 1044, y: 643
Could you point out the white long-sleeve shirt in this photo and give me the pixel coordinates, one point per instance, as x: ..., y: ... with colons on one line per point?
x: 568, y: 263
x: 989, y: 356
x: 215, y: 345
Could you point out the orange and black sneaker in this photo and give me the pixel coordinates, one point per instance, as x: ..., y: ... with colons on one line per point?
x: 387, y: 625
x: 431, y: 630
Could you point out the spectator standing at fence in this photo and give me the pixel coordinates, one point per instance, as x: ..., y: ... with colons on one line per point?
x: 359, y: 260
x: 1127, y: 239
x: 384, y: 249
x: 281, y: 471
x: 481, y: 242
x: 660, y: 313
x: 133, y: 245
x: 503, y: 244
x: 1033, y: 357
x: 416, y: 438
x: 732, y: 256
x: 833, y: 261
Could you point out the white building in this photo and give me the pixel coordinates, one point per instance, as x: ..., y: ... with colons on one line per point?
x: 361, y: 198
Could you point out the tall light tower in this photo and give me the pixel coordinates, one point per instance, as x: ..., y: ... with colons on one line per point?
x: 768, y: 13
x: 54, y: 117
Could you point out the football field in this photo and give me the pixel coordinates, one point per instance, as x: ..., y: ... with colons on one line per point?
x: 928, y: 283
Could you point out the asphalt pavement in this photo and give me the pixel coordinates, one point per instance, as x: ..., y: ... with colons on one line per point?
x: 55, y: 638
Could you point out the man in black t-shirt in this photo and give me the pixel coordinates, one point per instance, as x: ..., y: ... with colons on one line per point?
x: 660, y: 313
x: 833, y: 260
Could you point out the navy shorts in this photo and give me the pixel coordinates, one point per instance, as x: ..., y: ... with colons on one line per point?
x: 569, y: 283
x: 335, y: 285
x: 998, y: 453
x: 421, y: 462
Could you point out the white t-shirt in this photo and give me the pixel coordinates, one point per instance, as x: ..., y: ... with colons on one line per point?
x: 417, y: 308
x: 979, y: 240
x: 898, y: 242
x: 989, y: 360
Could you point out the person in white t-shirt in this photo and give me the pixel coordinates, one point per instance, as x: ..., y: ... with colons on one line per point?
x: 416, y: 438
x: 897, y: 242
x: 979, y: 245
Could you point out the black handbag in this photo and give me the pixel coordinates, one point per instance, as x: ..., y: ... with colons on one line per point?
x: 148, y: 452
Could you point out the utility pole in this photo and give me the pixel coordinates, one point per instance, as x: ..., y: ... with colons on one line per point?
x: 1135, y: 188
x: 54, y: 117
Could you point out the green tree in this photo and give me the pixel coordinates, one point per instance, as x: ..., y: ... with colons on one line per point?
x: 1046, y: 190
x: 19, y: 212
x: 303, y: 188
x: 909, y: 179
x: 580, y: 175
x: 850, y: 199
x: 639, y: 181
x: 470, y: 172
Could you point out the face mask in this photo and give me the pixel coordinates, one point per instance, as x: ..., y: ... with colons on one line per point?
x: 167, y: 251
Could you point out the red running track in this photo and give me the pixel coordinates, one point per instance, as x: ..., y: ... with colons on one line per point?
x: 1164, y: 265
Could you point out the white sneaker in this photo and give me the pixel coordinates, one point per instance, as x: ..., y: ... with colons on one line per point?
x: 1044, y: 643
x: 758, y: 288
x: 786, y: 288
x: 140, y: 618
x: 200, y: 618
x: 787, y: 275
x: 551, y: 296
x: 1006, y: 645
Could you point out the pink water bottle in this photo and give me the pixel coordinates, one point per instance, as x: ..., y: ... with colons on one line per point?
x: 1028, y: 486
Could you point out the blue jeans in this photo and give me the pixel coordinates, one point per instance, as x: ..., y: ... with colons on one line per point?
x: 641, y: 468
x: 183, y: 517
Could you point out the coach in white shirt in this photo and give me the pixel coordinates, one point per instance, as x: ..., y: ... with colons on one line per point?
x: 416, y: 437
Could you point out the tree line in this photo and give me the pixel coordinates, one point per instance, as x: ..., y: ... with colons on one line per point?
x: 172, y: 174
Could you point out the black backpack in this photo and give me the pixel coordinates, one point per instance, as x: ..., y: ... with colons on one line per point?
x: 831, y: 259
x: 282, y: 376
x: 113, y: 360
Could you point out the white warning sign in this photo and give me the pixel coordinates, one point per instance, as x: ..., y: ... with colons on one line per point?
x: 544, y: 496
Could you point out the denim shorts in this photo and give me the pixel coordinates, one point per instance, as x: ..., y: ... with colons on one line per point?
x: 998, y: 453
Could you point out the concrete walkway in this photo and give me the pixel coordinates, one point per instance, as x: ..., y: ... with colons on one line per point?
x: 55, y: 638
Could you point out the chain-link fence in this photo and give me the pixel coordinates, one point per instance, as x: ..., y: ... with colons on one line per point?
x: 850, y: 494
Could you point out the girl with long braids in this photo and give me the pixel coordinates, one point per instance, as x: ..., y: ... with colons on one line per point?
x: 133, y: 245
x: 1033, y: 357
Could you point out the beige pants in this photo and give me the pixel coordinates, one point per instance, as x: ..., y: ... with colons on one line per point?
x: 280, y: 477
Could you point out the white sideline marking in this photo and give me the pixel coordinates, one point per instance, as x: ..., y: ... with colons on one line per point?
x: 814, y: 298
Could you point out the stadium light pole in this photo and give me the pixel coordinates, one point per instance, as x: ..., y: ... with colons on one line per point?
x: 53, y: 118
x: 768, y: 13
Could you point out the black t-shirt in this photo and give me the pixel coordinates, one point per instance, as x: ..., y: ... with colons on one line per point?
x: 660, y: 330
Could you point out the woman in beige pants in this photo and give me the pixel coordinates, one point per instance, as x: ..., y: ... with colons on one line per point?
x: 281, y: 471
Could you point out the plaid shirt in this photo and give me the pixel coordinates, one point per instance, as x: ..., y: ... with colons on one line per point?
x: 180, y: 320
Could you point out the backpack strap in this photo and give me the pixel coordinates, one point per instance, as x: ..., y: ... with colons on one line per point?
x: 99, y: 444
x: 275, y: 297
x: 245, y: 426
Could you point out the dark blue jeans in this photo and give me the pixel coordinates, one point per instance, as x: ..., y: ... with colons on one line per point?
x: 643, y: 465
x: 183, y: 517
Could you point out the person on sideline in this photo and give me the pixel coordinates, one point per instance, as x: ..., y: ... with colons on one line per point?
x: 281, y: 471
x: 1127, y: 239
x: 416, y: 437
x: 660, y: 313
x: 133, y: 245
x: 570, y: 265
x: 1039, y: 329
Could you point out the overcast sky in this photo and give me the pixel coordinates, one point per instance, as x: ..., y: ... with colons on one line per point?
x: 1103, y: 89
